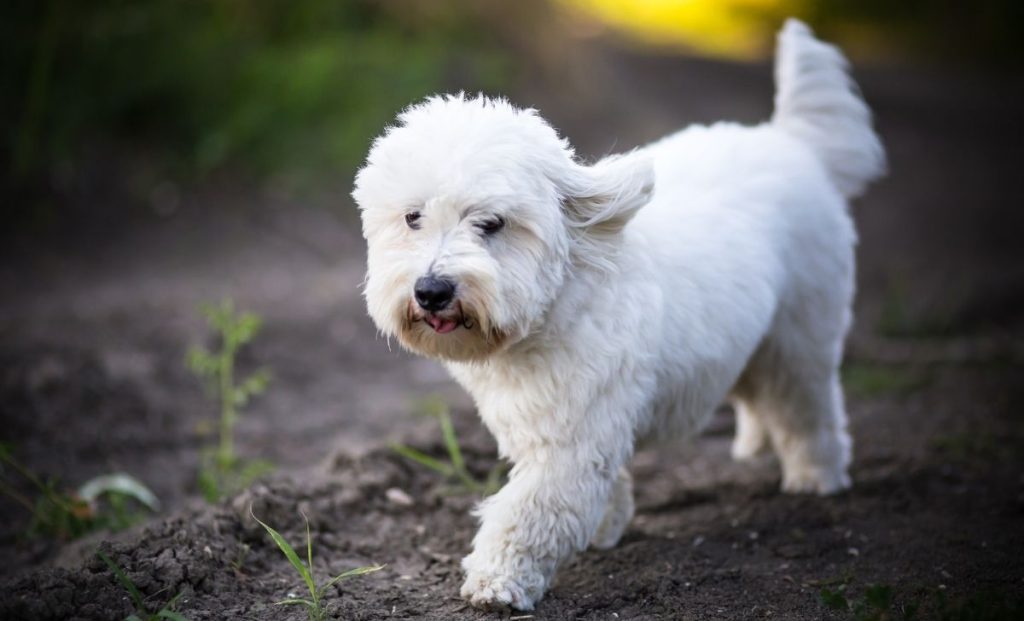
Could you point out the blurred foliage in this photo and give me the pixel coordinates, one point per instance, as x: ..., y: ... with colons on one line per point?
x: 292, y: 87
x: 867, y: 380
x: 293, y: 90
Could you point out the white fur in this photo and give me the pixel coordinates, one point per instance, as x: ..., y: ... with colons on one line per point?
x: 613, y: 308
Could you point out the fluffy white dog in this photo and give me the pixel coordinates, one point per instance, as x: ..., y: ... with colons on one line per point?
x: 587, y: 307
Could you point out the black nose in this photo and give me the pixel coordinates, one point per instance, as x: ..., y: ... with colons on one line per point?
x: 433, y: 293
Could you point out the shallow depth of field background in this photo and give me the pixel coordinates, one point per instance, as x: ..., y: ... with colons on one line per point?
x: 159, y: 154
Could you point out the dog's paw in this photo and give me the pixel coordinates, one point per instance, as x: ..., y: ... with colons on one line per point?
x: 616, y: 518
x: 608, y: 535
x: 493, y: 592
x: 815, y: 481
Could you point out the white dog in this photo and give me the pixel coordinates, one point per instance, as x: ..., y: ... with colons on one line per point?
x: 586, y: 308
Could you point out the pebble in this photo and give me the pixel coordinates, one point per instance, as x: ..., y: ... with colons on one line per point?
x: 398, y: 497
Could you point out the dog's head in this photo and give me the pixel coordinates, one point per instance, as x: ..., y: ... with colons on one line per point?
x: 475, y: 214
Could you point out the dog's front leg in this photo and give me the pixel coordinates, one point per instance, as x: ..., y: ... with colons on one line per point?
x: 549, y: 510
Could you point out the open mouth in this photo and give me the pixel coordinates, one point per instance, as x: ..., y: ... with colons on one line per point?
x: 440, y: 324
x: 445, y: 321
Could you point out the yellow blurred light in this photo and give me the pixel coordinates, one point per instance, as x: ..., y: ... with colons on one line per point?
x: 740, y: 29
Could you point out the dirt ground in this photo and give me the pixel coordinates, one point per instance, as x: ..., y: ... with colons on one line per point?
x: 98, y: 312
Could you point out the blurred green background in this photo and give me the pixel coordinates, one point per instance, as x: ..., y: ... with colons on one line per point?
x: 292, y: 91
x: 283, y: 87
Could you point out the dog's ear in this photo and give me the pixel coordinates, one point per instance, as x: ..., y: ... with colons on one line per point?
x: 603, y: 197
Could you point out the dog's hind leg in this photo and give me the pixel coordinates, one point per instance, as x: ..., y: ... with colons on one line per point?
x: 618, y: 513
x: 791, y: 390
x: 751, y: 434
x: 807, y: 425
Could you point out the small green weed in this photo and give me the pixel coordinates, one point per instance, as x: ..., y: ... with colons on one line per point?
x: 868, y: 380
x: 980, y: 446
x: 877, y: 603
x: 241, y: 555
x: 874, y: 605
x: 142, y: 612
x: 988, y: 606
x: 899, y: 318
x: 222, y: 471
x: 314, y: 605
x: 455, y: 468
x: 111, y: 501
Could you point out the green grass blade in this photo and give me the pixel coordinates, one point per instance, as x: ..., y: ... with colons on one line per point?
x: 358, y: 571
x: 172, y: 602
x: 122, y: 577
x: 451, y: 442
x: 493, y: 482
x: 423, y: 459
x: 132, y: 618
x: 170, y: 614
x: 309, y: 556
x: 289, y: 552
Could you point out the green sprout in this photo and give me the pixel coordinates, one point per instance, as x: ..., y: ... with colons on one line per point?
x: 878, y: 602
x: 314, y: 605
x: 455, y: 468
x: 222, y: 470
x: 110, y: 501
x: 870, y: 380
x: 142, y: 612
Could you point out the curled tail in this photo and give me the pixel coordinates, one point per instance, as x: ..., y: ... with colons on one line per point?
x: 817, y: 102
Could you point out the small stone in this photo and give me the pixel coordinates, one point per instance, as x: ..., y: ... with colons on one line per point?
x: 398, y: 497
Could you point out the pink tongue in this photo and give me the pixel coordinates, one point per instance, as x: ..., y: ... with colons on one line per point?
x: 441, y: 326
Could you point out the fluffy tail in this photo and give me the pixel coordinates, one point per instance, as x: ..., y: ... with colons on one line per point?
x: 817, y: 102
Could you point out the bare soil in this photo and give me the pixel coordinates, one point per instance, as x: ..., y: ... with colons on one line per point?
x: 98, y: 312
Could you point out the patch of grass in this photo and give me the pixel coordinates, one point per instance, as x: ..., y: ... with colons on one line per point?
x: 878, y: 603
x: 454, y: 469
x: 107, y: 502
x: 979, y: 607
x: 142, y: 612
x: 314, y: 605
x: 980, y: 445
x: 897, y: 320
x: 875, y: 604
x: 222, y: 471
x: 866, y: 380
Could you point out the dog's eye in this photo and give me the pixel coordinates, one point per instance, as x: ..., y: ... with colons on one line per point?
x: 413, y: 219
x: 490, y: 227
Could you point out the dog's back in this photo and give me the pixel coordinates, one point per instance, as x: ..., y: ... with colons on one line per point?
x: 750, y: 239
